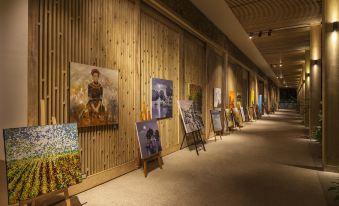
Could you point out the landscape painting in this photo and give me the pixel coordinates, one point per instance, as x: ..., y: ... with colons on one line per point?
x: 41, y: 160
x: 162, y: 97
x: 188, y: 116
x: 216, y: 120
x: 149, y: 138
x: 93, y: 95
x: 217, y: 98
x: 195, y: 94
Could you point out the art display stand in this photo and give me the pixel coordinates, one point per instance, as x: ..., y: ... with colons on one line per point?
x: 195, y: 134
x: 216, y: 133
x: 149, y: 159
x: 32, y: 202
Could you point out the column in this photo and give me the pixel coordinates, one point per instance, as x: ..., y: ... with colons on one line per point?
x: 315, y: 77
x: 330, y: 76
x: 307, y: 89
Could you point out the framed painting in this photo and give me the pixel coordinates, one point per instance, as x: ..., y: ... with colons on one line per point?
x: 217, y: 97
x: 188, y: 116
x: 195, y: 94
x: 40, y: 160
x: 229, y: 118
x: 149, y: 138
x: 237, y: 117
x: 93, y: 95
x: 216, y: 120
x: 162, y: 97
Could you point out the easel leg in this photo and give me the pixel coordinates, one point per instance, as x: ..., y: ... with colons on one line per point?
x: 195, y: 144
x: 68, y: 201
x: 183, y: 139
x: 159, y: 162
x: 145, y: 168
x: 202, y: 141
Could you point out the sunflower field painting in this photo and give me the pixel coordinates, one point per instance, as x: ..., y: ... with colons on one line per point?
x: 40, y: 160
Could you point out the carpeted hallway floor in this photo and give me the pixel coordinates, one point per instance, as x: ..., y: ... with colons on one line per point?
x: 268, y: 162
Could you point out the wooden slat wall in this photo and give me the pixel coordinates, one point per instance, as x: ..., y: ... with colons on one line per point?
x: 102, y: 33
x: 214, y: 75
x: 160, y: 51
x: 195, y: 67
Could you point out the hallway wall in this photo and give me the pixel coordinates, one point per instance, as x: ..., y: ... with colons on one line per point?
x: 125, y: 35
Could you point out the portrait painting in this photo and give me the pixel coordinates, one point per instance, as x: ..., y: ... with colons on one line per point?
x: 40, y: 160
x: 149, y: 138
x: 162, y: 97
x: 93, y: 95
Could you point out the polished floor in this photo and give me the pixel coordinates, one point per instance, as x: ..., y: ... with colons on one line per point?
x: 268, y: 162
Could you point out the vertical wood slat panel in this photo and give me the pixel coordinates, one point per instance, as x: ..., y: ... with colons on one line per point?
x: 160, y: 59
x: 100, y: 33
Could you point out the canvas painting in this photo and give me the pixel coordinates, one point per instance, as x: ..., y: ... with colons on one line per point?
x: 40, y: 160
x: 216, y: 120
x: 217, y: 98
x: 162, y: 97
x: 229, y: 118
x: 93, y: 95
x: 149, y: 138
x: 242, y: 114
x: 237, y: 117
x: 195, y: 94
x: 188, y: 115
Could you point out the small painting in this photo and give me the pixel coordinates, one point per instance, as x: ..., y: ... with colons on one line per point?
x: 216, y: 120
x: 162, y: 97
x: 229, y: 118
x: 195, y: 94
x: 93, y: 95
x: 237, y: 117
x: 149, y: 138
x: 188, y: 116
x: 41, y: 160
x: 217, y: 98
x: 242, y: 114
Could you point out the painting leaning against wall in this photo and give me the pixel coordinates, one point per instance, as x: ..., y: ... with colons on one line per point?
x: 41, y: 160
x: 93, y: 95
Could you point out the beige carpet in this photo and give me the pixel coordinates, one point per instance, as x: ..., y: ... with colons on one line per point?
x: 268, y: 162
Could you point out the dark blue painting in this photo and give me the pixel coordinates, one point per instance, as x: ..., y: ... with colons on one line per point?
x: 162, y: 97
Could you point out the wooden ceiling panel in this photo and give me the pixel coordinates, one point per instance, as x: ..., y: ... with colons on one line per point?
x: 289, y: 22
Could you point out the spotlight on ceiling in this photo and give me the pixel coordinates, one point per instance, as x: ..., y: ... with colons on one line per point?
x: 269, y: 33
x: 280, y: 65
x: 251, y: 35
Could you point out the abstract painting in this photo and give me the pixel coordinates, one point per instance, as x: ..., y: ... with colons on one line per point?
x: 217, y: 97
x: 216, y: 120
x: 93, y: 95
x: 149, y: 138
x: 40, y: 160
x: 195, y: 94
x: 242, y: 114
x: 162, y: 97
x: 188, y: 116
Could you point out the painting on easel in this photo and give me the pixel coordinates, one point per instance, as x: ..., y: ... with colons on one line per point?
x: 149, y: 138
x: 216, y: 120
x: 41, y: 160
x: 195, y: 94
x: 188, y: 116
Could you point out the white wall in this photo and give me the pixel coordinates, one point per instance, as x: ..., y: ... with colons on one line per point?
x: 13, y: 73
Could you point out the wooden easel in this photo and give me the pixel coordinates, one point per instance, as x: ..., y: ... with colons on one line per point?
x: 32, y: 202
x: 196, y: 134
x: 216, y: 133
x: 149, y: 159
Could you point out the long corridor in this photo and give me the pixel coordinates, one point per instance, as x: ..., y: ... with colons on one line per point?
x: 268, y: 162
